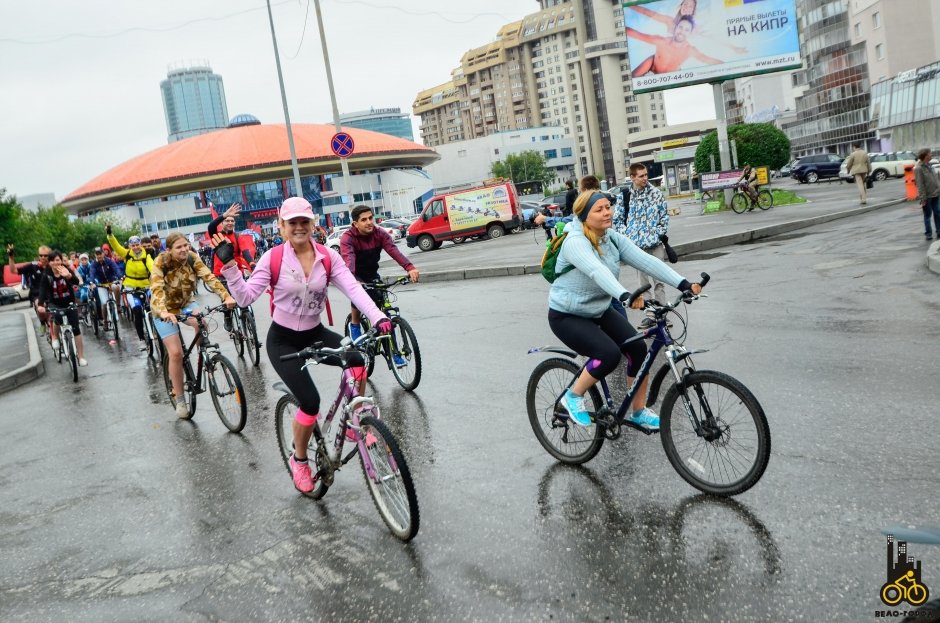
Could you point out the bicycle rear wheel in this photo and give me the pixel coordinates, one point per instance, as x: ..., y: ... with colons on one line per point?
x: 93, y: 315
x: 154, y: 343
x: 404, y: 344
x: 730, y: 451
x: 765, y: 199
x: 284, y: 413
x: 252, y: 343
x: 388, y: 479
x: 368, y: 354
x: 566, y: 441
x: 189, y: 396
x: 740, y: 202
x: 227, y: 393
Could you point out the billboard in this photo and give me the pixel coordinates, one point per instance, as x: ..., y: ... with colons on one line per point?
x: 476, y: 208
x: 675, y: 43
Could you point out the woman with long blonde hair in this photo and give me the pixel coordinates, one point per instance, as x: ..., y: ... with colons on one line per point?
x: 579, y: 306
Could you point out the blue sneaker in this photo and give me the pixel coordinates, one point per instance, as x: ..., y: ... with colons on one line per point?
x: 355, y: 331
x: 645, y: 418
x: 574, y: 405
x: 399, y: 361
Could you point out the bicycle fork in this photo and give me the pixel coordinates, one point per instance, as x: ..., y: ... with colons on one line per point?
x: 704, y: 426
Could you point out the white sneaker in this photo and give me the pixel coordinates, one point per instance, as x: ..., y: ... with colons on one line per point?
x: 83, y: 362
x: 55, y: 344
x: 182, y: 411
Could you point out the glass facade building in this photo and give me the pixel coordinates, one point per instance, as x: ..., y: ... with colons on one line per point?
x: 193, y: 102
x: 833, y: 113
x: 906, y: 109
x: 385, y: 120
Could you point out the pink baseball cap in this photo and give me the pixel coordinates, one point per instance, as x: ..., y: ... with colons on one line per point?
x: 296, y: 207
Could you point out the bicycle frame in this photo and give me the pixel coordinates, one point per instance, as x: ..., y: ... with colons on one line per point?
x: 205, y: 349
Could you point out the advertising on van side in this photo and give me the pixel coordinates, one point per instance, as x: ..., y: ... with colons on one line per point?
x: 477, y: 207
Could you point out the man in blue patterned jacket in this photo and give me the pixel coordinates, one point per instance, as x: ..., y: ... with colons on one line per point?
x: 647, y: 222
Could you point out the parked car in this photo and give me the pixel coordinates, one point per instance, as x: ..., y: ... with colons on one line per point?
x: 554, y: 202
x: 332, y: 240
x: 8, y: 296
x: 397, y: 223
x: 15, y: 282
x: 889, y: 164
x: 811, y: 169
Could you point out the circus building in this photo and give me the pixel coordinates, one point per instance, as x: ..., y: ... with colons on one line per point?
x: 171, y: 188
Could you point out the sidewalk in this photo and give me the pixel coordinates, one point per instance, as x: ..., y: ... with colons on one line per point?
x: 20, y: 360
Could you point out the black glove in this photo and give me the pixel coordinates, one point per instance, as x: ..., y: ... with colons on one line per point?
x: 225, y: 252
x: 625, y: 297
x: 107, y: 229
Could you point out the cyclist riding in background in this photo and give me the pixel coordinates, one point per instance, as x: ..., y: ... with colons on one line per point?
x: 84, y: 274
x: 748, y: 181
x: 105, y: 274
x: 173, y: 284
x: 579, y: 309
x: 30, y: 275
x: 361, y: 245
x: 299, y: 297
x: 138, y: 265
x: 55, y: 290
x: 242, y: 256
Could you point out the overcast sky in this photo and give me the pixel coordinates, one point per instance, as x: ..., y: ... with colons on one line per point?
x: 81, y: 80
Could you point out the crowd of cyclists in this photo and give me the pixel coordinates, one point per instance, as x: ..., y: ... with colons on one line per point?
x: 163, y: 275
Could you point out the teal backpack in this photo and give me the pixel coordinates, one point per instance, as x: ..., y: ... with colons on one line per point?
x: 550, y: 258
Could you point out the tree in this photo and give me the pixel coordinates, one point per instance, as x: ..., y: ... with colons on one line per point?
x: 523, y: 167
x: 760, y: 144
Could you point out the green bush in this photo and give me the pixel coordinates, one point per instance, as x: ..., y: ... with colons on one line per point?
x: 760, y: 144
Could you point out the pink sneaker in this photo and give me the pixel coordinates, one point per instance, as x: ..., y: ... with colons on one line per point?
x: 303, y: 481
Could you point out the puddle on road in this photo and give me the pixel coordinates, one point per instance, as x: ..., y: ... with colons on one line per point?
x: 698, y: 257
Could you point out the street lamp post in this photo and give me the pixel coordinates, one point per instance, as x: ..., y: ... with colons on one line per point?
x: 290, y: 135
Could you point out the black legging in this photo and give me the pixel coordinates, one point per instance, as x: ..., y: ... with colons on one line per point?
x: 70, y: 314
x: 599, y: 338
x: 283, y: 341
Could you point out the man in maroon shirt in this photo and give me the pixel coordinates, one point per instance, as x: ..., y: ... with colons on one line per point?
x: 361, y: 245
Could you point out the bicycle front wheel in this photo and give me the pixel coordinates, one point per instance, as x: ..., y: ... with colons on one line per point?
x: 284, y: 413
x: 388, y: 479
x: 189, y: 396
x: 765, y: 199
x: 93, y: 316
x: 406, y: 356
x: 740, y: 203
x: 238, y: 333
x: 68, y: 341
x: 113, y: 315
x: 566, y: 441
x: 227, y: 393
x: 729, y: 451
x: 252, y: 343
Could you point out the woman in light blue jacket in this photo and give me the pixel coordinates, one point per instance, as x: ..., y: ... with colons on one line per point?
x: 579, y: 310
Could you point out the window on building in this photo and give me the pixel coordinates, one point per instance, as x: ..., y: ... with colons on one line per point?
x: 550, y: 154
x: 565, y: 152
x: 858, y: 30
x: 880, y: 52
x: 876, y: 19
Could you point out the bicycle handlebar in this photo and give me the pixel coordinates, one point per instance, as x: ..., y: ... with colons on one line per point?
x: 686, y: 296
x: 319, y: 352
x: 385, y: 285
x: 199, y: 315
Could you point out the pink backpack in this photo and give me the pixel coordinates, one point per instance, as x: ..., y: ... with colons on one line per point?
x: 277, y: 255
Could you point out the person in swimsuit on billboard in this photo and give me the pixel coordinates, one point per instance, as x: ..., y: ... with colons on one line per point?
x: 672, y: 52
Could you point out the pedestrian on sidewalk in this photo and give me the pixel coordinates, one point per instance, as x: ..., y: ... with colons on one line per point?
x: 858, y: 166
x: 928, y: 191
x: 570, y: 196
x: 647, y: 223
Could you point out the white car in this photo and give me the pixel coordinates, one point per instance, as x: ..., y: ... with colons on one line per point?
x: 332, y: 240
x: 392, y: 231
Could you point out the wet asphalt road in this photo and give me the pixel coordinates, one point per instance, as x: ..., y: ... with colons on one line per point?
x: 113, y: 510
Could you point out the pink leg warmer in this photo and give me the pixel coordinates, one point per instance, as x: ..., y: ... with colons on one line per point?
x: 358, y: 373
x: 305, y: 419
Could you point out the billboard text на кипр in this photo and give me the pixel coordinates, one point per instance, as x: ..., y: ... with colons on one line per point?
x: 675, y: 43
x: 476, y: 208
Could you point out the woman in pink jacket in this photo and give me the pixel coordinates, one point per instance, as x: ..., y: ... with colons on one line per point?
x: 299, y: 298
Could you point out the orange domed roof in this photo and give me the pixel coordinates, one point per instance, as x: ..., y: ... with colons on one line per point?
x: 241, y: 155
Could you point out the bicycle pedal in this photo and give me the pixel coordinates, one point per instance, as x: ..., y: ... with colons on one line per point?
x: 642, y: 429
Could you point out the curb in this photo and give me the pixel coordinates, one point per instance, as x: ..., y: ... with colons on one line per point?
x: 687, y: 248
x: 31, y: 371
x: 933, y: 257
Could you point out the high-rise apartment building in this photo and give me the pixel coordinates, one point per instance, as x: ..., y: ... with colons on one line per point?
x: 564, y: 66
x: 193, y: 101
x: 385, y: 120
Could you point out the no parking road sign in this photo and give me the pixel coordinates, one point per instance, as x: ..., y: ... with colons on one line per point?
x: 342, y: 145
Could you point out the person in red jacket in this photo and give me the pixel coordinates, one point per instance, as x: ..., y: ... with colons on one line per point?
x: 225, y: 225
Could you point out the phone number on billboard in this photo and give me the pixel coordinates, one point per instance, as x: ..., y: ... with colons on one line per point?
x: 645, y: 82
